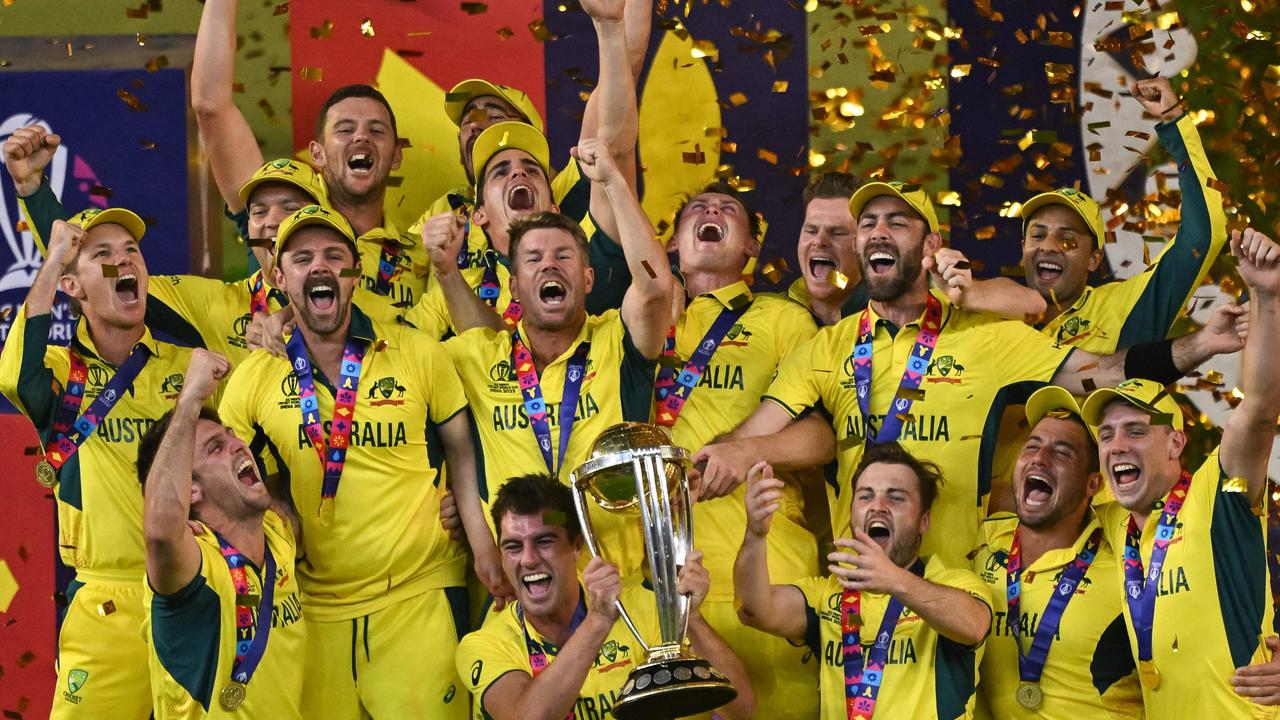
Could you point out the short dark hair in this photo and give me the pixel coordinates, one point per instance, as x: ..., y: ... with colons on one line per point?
x: 533, y: 494
x: 347, y: 92
x: 891, y: 453
x: 831, y: 185
x: 149, y: 445
x: 1090, y: 444
x: 720, y: 187
x: 545, y: 220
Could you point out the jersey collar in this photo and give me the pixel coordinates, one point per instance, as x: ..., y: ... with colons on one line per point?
x: 731, y: 296
x: 1079, y: 303
x: 84, y: 342
x: 388, y: 231
x: 947, y: 310
x: 1061, y: 557
x: 584, y: 335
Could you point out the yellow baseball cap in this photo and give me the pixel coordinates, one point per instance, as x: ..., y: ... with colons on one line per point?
x: 314, y: 215
x: 1081, y: 203
x: 93, y: 217
x: 292, y: 172
x: 1052, y: 400
x: 1146, y: 395
x: 504, y: 135
x: 911, y: 194
x: 455, y: 101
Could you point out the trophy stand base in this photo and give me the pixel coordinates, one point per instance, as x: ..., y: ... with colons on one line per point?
x: 673, y: 689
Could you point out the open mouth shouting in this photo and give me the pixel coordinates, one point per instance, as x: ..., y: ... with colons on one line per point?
x: 127, y: 289
x: 553, y: 293
x: 710, y: 232
x: 1048, y: 271
x: 322, y: 293
x: 1036, y: 491
x: 536, y: 585
x: 881, y: 262
x: 880, y: 531
x: 520, y: 198
x: 1125, y: 475
x: 247, y: 474
x: 821, y: 267
x: 360, y: 163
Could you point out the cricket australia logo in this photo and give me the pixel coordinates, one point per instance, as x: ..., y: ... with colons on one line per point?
x: 612, y: 654
x: 738, y: 335
x: 76, y: 680
x: 945, y: 366
x: 385, y: 388
x: 171, y: 386
x: 1073, y: 330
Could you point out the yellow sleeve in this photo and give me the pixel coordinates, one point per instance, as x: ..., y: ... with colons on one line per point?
x: 486, y: 655
x: 379, y: 308
x: 796, y: 386
x: 966, y: 580
x: 815, y: 591
x: 1036, y: 357
x: 446, y: 395
x: 430, y: 314
x: 31, y: 368
x: 239, y: 405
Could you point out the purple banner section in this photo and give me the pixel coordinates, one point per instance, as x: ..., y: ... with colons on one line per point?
x: 754, y: 115
x: 124, y: 144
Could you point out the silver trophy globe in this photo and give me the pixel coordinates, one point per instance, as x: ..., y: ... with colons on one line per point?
x: 633, y: 468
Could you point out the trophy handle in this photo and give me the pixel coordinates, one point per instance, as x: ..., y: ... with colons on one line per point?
x: 588, y: 534
x: 666, y: 546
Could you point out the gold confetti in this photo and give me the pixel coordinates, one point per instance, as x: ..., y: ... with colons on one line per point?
x: 537, y: 27
x: 157, y: 62
x: 841, y: 280
x: 131, y: 100
x: 106, y: 608
x: 322, y: 31
x: 110, y: 270
x: 349, y: 272
x: 265, y: 106
x: 141, y: 39
x: 506, y: 33
x: 697, y: 157
x: 985, y: 233
x: 1233, y: 484
x: 772, y: 270
x: 780, y: 86
x: 767, y: 156
x: 911, y: 393
x: 737, y: 99
x: 366, y: 27
x: 312, y: 74
x: 649, y: 269
x: 281, y: 9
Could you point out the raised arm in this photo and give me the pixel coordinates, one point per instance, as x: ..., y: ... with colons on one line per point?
x: 229, y: 142
x: 695, y: 581
x: 443, y: 236
x: 552, y: 694
x: 611, y: 114
x: 861, y: 564
x: 1251, y: 425
x: 775, y: 609
x: 805, y: 443
x: 950, y: 270
x: 646, y: 305
x: 459, y: 454
x: 27, y: 153
x: 173, y: 557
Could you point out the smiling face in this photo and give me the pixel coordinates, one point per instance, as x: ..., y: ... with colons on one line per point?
x: 888, y: 506
x: 825, y: 247
x: 480, y: 112
x: 1142, y: 460
x: 1058, y: 254
x: 108, y: 299
x: 1052, y: 480
x: 550, y: 276
x: 540, y: 562
x: 357, y: 150
x: 269, y: 204
x: 892, y: 241
x: 515, y: 185
x: 713, y: 235
x: 310, y: 273
x: 224, y: 475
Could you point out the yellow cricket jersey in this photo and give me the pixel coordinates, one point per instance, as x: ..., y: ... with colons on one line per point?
x: 1090, y: 672
x: 617, y: 387
x: 385, y: 543
x: 1214, y: 600
x: 191, y: 637
x: 927, y: 675
x: 1144, y: 307
x: 409, y: 278
x: 99, y: 495
x: 729, y: 391
x: 201, y: 312
x: 498, y: 648
x: 973, y: 372
x: 855, y: 303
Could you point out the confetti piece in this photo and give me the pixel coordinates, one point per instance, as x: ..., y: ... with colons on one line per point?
x: 349, y: 272
x: 780, y: 86
x: 157, y: 62
x: 265, y: 106
x: 767, y: 156
x: 366, y: 27
x: 773, y: 270
x: 106, y: 608
x: 538, y: 28
x: 322, y: 31
x: 697, y: 157
x: 911, y: 393
x: 849, y: 442
x: 841, y: 280
x: 506, y: 33
x: 100, y: 191
x: 138, y: 13
x: 1088, y: 384
x: 261, y: 242
x: 554, y: 517
x: 311, y: 74
x: 110, y: 270
x: 737, y: 99
x: 985, y: 233
x: 141, y: 39
x: 963, y: 265
x: 1233, y: 484
x: 131, y: 100
x: 281, y: 9
x: 649, y: 269
x: 380, y: 345
x: 474, y: 8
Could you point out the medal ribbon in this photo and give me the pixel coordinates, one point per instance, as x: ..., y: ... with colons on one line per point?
x: 537, y: 655
x: 862, y: 684
x: 917, y: 365
x: 251, y: 640
x: 1031, y: 665
x: 489, y: 290
x: 387, y: 266
x: 70, y: 432
x: 257, y: 294
x: 333, y: 452
x: 1139, y: 588
x: 672, y: 391
x: 536, y: 408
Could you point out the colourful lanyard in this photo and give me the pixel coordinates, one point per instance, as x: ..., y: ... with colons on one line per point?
x: 70, y: 432
x: 536, y: 408
x: 1031, y: 665
x: 537, y: 655
x: 489, y: 290
x: 251, y: 640
x: 917, y: 365
x: 862, y: 686
x: 387, y: 267
x: 1139, y: 590
x: 333, y: 453
x: 258, y: 294
x: 670, y: 391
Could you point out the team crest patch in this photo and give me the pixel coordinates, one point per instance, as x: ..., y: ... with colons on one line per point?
x: 76, y: 680
x: 386, y: 388
x: 737, y: 335
x: 1073, y: 329
x: 172, y: 385
x: 946, y: 368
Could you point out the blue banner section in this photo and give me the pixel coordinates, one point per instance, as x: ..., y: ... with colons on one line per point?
x: 124, y: 144
x: 758, y: 61
x: 1022, y: 78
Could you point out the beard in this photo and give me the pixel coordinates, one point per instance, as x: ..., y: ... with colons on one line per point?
x: 906, y: 271
x: 324, y: 322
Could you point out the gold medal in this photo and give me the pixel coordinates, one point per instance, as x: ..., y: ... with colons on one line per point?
x: 46, y: 474
x: 232, y: 695
x: 1149, y: 674
x: 1029, y: 695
